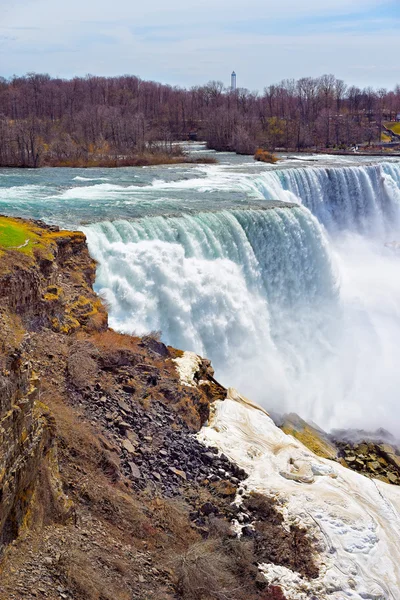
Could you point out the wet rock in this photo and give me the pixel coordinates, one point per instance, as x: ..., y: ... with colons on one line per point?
x: 155, y: 346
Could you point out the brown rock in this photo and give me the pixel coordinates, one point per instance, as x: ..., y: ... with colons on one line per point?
x: 181, y: 474
x: 123, y: 405
x: 129, y: 447
x: 132, y: 437
x: 374, y: 466
x: 389, y: 453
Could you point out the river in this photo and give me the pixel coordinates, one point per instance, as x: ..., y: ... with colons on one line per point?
x: 287, y: 277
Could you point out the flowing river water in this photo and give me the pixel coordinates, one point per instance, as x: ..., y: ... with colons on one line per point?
x: 287, y: 277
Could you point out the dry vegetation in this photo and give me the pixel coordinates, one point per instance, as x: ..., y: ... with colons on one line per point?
x: 136, y: 160
x: 265, y: 156
x: 126, y: 503
x: 220, y: 568
x: 123, y: 121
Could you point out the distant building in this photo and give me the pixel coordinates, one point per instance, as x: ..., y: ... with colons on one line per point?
x: 398, y: 117
x: 233, y: 81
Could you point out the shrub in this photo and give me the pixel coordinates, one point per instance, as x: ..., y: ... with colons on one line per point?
x: 265, y: 156
x: 86, y: 581
x: 203, y: 573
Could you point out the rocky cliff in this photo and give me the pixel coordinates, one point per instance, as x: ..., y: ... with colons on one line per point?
x: 105, y: 490
x: 127, y: 472
x: 42, y: 284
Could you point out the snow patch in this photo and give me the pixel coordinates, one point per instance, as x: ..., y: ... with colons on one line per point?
x: 187, y: 365
x: 354, y: 520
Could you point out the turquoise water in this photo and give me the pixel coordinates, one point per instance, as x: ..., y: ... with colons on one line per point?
x: 70, y: 197
x: 298, y: 306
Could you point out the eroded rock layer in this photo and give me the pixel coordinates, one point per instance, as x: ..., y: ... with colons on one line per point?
x: 127, y: 472
x: 105, y: 490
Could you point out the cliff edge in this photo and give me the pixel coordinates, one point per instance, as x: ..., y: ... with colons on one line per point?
x: 105, y: 490
x: 127, y: 472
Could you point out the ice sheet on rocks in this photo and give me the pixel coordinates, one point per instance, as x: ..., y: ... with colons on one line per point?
x: 187, y: 365
x: 355, y: 520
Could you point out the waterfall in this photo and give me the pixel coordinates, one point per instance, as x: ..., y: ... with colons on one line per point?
x: 297, y: 305
x: 223, y: 284
x: 363, y: 198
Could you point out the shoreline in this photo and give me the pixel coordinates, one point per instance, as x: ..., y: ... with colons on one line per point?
x: 147, y: 160
x: 102, y: 166
x: 164, y: 160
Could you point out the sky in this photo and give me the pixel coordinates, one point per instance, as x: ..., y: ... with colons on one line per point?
x: 192, y: 42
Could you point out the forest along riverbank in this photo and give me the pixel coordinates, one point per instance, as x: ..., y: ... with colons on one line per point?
x: 84, y: 121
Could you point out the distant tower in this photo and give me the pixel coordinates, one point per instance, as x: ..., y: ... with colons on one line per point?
x: 233, y: 81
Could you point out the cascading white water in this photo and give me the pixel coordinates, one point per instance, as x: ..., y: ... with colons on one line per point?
x: 296, y: 318
x: 210, y: 281
x: 224, y: 285
x: 363, y: 198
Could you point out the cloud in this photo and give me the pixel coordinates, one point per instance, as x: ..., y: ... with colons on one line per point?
x: 42, y: 13
x: 190, y: 43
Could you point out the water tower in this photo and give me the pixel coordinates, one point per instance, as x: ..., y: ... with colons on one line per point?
x: 233, y: 81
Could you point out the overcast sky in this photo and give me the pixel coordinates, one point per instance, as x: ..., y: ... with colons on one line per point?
x: 191, y: 42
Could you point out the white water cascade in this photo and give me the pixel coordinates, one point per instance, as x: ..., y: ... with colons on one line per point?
x: 358, y: 198
x: 296, y: 318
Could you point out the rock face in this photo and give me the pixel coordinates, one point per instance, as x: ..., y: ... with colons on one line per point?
x: 105, y: 492
x: 372, y: 459
x: 52, y: 284
x: 128, y: 472
x: 24, y: 437
x: 36, y: 290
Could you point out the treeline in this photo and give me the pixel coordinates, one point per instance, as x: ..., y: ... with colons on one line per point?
x: 92, y: 120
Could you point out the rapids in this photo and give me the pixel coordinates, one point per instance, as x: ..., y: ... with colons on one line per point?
x: 285, y: 277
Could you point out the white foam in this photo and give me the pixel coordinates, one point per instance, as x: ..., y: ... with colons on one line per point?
x: 79, y: 178
x: 21, y: 192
